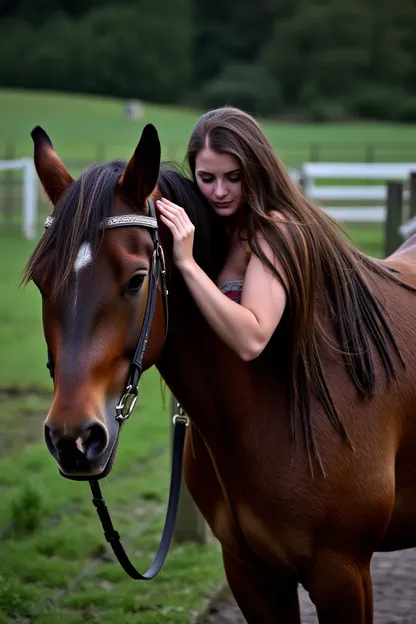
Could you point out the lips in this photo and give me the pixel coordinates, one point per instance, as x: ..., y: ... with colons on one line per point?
x: 223, y: 204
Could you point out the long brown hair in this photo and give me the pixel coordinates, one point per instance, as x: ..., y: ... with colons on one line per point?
x: 324, y: 271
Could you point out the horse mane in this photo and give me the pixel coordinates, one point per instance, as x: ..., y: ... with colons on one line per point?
x: 343, y: 312
x: 350, y: 304
x: 77, y: 217
x: 88, y: 201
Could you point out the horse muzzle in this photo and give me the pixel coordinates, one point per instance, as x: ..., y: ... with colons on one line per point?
x: 77, y: 449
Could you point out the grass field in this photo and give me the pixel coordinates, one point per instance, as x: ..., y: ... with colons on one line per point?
x: 54, y: 562
x: 90, y: 128
x: 55, y: 566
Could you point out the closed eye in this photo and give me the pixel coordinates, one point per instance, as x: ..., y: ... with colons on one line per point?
x: 232, y: 176
x: 134, y: 284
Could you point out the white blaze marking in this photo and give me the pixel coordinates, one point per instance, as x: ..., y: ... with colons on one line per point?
x: 84, y: 257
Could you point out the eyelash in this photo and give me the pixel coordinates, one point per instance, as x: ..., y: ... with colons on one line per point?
x: 209, y: 180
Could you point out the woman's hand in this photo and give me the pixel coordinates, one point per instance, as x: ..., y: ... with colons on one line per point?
x: 182, y: 230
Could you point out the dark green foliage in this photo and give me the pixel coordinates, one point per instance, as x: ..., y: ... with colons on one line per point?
x: 246, y: 86
x: 318, y: 59
x: 125, y: 51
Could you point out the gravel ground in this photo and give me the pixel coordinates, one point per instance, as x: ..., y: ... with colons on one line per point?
x: 394, y: 586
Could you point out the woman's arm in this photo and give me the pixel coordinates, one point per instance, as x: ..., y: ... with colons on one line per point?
x: 247, y: 327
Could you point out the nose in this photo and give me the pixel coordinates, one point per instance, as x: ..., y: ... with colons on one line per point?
x: 75, y: 447
x: 220, y: 190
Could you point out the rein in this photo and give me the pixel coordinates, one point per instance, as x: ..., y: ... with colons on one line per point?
x: 128, y: 400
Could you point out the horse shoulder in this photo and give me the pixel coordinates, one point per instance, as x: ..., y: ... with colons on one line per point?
x: 207, y: 490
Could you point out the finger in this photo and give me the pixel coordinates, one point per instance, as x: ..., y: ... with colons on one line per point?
x: 167, y: 209
x: 178, y: 216
x: 171, y: 203
x: 172, y: 226
x: 179, y: 213
x: 166, y: 203
x: 175, y: 218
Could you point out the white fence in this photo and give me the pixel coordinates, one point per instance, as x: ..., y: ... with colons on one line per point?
x: 325, y: 183
x: 355, y: 198
x: 30, y: 193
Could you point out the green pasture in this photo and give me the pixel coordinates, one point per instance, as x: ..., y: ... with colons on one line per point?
x: 88, y: 128
x: 55, y: 566
x: 54, y: 561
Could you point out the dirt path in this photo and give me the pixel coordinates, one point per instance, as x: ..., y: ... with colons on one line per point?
x: 394, y: 582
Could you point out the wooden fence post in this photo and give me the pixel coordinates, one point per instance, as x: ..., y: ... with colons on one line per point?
x: 394, y: 217
x: 412, y: 195
x: 190, y: 524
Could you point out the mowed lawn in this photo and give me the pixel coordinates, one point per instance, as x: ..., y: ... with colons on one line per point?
x: 55, y: 566
x: 90, y: 128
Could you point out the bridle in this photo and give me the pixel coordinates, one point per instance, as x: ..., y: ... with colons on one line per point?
x: 128, y: 400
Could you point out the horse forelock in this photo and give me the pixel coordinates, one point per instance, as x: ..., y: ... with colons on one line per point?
x: 77, y: 218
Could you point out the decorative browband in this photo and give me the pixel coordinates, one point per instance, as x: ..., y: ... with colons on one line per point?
x: 118, y: 221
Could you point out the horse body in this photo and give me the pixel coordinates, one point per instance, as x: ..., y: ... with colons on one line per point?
x: 257, y: 493
x: 280, y: 516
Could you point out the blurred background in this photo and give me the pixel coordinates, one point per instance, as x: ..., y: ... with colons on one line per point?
x: 333, y: 84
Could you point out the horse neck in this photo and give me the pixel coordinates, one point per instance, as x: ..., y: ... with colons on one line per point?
x: 218, y: 391
x: 189, y: 362
x: 188, y: 353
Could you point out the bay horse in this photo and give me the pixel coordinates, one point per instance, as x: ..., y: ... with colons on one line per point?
x: 278, y: 524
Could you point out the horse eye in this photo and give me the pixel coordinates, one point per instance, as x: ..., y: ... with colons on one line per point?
x: 134, y: 284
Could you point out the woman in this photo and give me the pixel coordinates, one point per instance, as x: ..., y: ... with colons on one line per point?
x: 284, y: 252
x: 222, y: 166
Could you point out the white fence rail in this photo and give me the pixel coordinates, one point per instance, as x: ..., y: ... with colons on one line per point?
x: 358, y: 171
x: 325, y: 183
x: 313, y: 174
x: 30, y: 193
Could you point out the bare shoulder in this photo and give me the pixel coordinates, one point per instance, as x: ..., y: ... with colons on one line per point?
x: 280, y: 221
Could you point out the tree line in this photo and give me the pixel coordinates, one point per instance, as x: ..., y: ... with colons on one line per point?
x: 303, y: 59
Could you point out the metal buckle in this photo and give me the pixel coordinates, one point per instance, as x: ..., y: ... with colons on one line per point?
x: 180, y: 416
x: 126, y: 404
x: 162, y: 259
x: 162, y: 268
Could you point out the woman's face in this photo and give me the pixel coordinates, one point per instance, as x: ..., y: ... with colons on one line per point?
x: 219, y: 178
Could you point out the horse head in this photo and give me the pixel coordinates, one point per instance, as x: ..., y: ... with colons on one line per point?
x: 98, y: 267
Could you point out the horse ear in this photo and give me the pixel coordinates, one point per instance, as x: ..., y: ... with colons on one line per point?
x: 50, y: 168
x: 142, y: 171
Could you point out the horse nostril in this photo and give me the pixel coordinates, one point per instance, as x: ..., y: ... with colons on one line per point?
x: 49, y: 441
x: 88, y: 442
x: 94, y: 441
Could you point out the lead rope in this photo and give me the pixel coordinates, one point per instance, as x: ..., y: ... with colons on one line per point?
x: 180, y: 421
x: 124, y: 410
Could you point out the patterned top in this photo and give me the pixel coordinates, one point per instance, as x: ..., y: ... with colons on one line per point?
x: 232, y: 289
